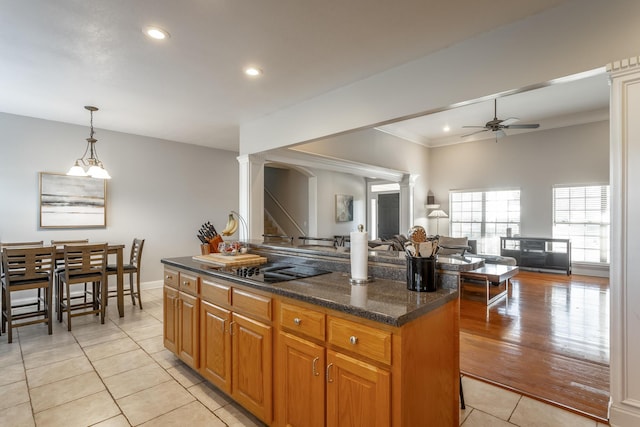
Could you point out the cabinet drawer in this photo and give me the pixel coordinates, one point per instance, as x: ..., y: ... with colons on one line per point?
x: 364, y: 340
x: 302, y: 320
x: 188, y: 284
x: 171, y: 278
x: 252, y: 304
x: 215, y: 292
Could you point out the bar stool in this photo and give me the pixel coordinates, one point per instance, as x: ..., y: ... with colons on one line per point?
x: 60, y: 267
x: 83, y: 264
x: 20, y: 245
x: 133, y: 267
x: 26, y: 269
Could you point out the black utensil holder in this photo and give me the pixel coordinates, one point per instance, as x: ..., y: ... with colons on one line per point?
x: 421, y: 274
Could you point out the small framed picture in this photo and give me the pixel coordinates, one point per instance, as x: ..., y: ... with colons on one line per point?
x: 344, y: 208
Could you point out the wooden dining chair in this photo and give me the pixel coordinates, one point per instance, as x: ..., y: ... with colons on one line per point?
x: 25, y: 269
x: 133, y: 267
x: 21, y: 245
x: 59, y: 266
x: 83, y: 264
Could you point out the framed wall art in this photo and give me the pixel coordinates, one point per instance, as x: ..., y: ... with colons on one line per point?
x: 72, y: 201
x: 344, y: 208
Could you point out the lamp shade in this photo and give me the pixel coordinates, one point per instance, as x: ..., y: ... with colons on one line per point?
x: 438, y: 213
x: 77, y: 170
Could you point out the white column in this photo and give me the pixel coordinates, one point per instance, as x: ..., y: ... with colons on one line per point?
x: 406, y: 202
x: 251, y: 194
x: 625, y: 243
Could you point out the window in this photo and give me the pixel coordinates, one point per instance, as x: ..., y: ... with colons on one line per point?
x: 484, y: 216
x: 582, y: 215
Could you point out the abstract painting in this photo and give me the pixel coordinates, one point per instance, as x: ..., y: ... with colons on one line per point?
x: 344, y: 208
x: 72, y: 201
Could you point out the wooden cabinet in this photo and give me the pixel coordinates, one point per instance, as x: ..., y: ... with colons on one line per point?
x: 363, y: 340
x: 358, y: 394
x: 301, y: 382
x: 296, y: 364
x: 215, y: 345
x: 227, y: 335
x: 189, y: 326
x: 251, y: 361
x: 318, y: 385
x: 180, y: 316
x: 170, y: 318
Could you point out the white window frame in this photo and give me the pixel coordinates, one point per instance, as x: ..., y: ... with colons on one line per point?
x: 485, y: 215
x: 582, y: 214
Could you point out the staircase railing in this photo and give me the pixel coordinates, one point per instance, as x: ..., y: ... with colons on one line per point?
x: 283, y: 213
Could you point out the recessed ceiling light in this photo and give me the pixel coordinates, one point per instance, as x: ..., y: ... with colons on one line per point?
x: 252, y: 71
x: 446, y: 128
x: 156, y: 33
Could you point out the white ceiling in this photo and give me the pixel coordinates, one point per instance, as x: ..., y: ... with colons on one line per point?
x: 58, y: 56
x: 572, y: 100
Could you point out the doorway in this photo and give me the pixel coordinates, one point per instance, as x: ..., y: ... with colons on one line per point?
x: 384, y: 208
x: 388, y: 215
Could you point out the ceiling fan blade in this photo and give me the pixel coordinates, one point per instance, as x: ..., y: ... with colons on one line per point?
x: 510, y: 120
x: 473, y: 133
x: 524, y: 126
x: 478, y: 127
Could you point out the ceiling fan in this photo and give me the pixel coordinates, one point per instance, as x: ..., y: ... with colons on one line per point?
x: 498, y: 126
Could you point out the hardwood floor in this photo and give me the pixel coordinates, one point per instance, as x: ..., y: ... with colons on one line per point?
x: 549, y: 340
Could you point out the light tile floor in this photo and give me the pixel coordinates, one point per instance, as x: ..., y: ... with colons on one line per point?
x: 119, y: 374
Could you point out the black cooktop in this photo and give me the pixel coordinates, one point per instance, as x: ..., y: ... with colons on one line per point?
x: 277, y: 272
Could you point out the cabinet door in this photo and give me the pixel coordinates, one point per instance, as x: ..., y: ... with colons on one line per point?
x: 301, y: 382
x: 188, y: 335
x: 252, y: 365
x: 170, y: 319
x: 358, y: 394
x: 215, y: 345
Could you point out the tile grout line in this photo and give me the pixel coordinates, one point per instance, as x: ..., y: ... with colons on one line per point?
x: 514, y: 409
x: 171, y: 376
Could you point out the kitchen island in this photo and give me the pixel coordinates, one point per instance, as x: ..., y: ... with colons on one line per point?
x: 317, y: 351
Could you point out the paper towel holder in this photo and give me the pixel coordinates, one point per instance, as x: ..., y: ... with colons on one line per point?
x: 353, y: 281
x: 369, y: 279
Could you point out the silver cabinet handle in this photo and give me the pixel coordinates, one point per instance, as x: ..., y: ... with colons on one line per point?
x: 353, y: 340
x: 314, y: 367
x: 297, y: 321
x: 169, y: 277
x: 185, y: 283
x: 328, y: 373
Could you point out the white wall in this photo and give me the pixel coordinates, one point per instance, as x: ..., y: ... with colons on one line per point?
x: 161, y: 190
x: 291, y: 189
x: 532, y: 162
x: 381, y: 149
x: 330, y: 184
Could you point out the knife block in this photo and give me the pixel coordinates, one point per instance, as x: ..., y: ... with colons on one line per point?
x: 205, y: 249
x: 213, y: 244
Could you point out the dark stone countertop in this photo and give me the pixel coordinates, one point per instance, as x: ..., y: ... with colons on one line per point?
x: 383, y: 300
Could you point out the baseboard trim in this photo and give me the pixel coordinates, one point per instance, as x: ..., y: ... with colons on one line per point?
x: 151, y: 285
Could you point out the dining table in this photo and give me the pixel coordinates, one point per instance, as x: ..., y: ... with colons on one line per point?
x: 118, y: 250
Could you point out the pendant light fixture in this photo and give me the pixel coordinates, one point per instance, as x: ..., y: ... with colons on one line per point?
x: 95, y: 167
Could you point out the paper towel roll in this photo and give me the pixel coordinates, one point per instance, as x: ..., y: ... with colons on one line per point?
x: 359, y: 254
